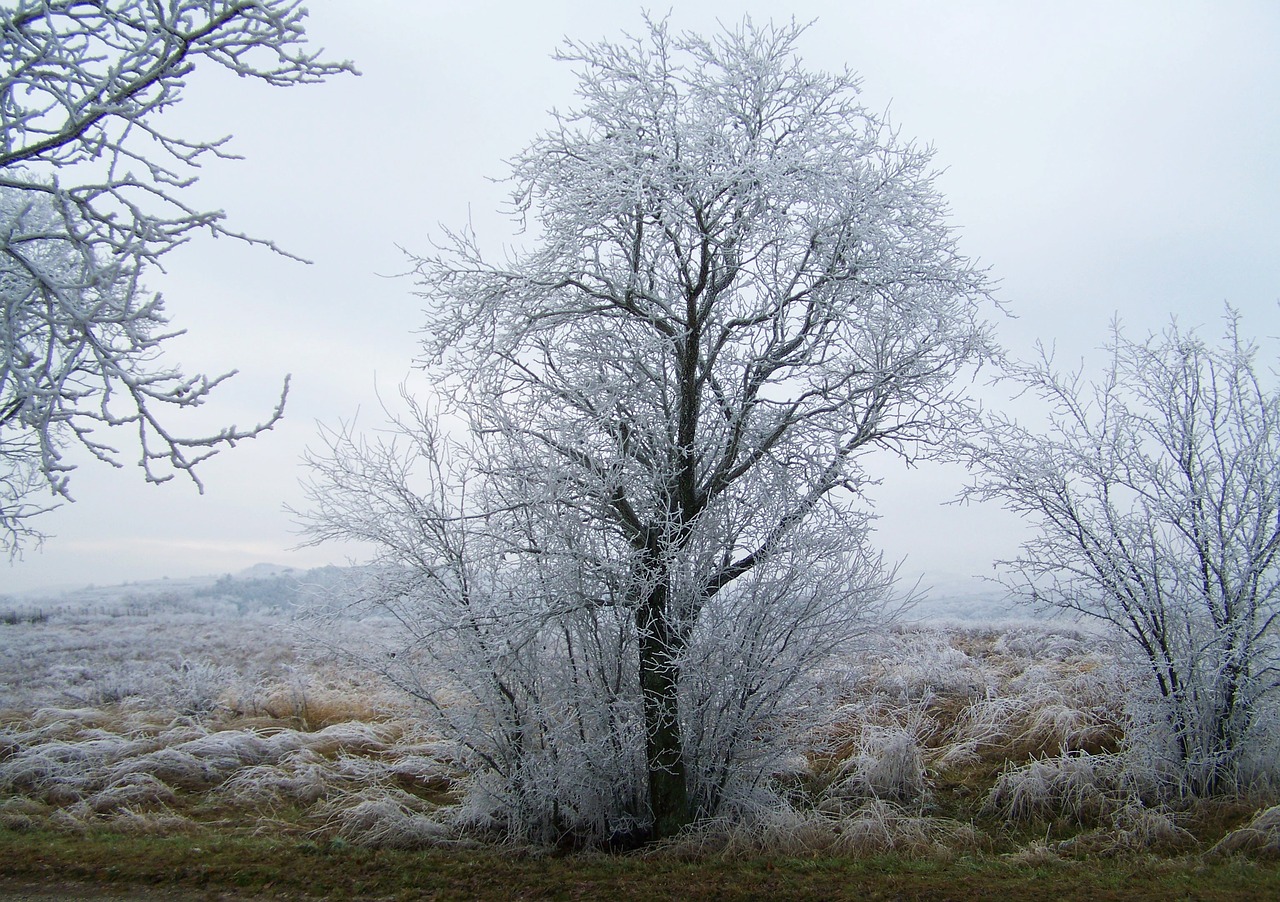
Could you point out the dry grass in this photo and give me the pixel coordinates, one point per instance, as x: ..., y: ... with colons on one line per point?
x: 1260, y: 838
x: 1079, y: 788
x: 873, y: 828
x: 942, y: 742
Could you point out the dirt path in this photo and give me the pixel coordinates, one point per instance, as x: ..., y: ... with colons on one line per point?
x: 66, y: 891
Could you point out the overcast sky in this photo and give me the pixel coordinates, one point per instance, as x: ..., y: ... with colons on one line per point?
x: 1101, y: 158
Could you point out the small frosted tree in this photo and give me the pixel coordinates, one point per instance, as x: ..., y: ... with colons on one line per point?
x: 1156, y: 497
x: 91, y: 194
x: 739, y: 282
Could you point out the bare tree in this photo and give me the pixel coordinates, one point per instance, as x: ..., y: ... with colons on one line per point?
x: 740, y: 282
x: 1156, y: 493
x: 91, y: 194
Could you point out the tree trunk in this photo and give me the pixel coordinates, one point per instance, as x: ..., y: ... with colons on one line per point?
x: 664, y: 754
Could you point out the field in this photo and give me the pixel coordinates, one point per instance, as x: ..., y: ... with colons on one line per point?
x: 196, y: 736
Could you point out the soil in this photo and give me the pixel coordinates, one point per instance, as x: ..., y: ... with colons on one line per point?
x: 68, y: 891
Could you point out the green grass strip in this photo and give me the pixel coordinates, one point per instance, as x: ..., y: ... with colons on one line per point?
x: 260, y: 865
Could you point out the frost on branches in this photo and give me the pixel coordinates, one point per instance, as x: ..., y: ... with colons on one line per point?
x: 618, y: 588
x: 1157, y: 496
x: 91, y: 194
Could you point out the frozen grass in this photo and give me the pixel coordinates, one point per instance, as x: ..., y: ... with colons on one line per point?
x: 385, y: 817
x: 941, y: 741
x: 906, y: 723
x: 1260, y: 838
x: 1132, y: 829
x: 1080, y: 788
x: 192, y: 656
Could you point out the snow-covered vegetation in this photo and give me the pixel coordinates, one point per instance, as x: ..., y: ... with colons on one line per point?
x: 636, y: 601
x: 95, y: 189
x: 177, y: 706
x: 1155, y: 496
x: 648, y: 526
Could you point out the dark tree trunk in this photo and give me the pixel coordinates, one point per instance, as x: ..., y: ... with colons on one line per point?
x: 664, y: 754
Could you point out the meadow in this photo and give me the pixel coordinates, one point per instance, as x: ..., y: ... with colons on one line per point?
x: 198, y: 735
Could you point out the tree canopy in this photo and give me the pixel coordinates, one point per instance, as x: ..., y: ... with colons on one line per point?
x: 92, y: 187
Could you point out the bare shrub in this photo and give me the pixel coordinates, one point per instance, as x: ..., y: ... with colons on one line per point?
x: 1156, y: 493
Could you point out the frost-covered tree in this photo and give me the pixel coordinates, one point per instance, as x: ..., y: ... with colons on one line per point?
x: 1156, y: 498
x: 738, y: 282
x: 92, y: 183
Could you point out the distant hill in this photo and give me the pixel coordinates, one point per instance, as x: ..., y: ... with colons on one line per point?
x: 955, y: 597
x: 265, y: 586
x: 260, y: 587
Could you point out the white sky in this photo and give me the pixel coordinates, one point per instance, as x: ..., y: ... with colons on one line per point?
x: 1101, y: 158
